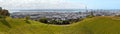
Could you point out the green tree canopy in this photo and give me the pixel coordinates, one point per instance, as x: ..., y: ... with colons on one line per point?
x: 4, y: 12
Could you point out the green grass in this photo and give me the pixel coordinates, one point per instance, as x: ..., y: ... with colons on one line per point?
x: 95, y: 25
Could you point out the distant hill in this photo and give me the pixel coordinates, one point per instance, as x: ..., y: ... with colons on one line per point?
x: 95, y: 25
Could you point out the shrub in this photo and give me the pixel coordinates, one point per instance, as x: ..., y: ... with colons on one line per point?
x: 27, y: 19
x: 44, y: 20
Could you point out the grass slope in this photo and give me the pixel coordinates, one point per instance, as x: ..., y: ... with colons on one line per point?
x: 96, y: 25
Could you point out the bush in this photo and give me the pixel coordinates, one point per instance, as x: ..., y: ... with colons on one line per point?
x: 27, y: 19
x: 44, y: 20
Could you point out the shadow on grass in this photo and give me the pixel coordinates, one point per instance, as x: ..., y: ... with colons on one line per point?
x: 5, y: 23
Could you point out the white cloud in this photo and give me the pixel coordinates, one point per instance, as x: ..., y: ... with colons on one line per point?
x: 39, y: 4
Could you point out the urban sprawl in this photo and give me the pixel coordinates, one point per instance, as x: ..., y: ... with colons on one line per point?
x: 63, y: 14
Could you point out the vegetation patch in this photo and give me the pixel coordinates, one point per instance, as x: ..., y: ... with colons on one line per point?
x: 59, y: 22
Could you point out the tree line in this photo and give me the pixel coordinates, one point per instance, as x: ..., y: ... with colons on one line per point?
x: 58, y: 21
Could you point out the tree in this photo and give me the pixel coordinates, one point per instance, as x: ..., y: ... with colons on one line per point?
x: 43, y: 19
x: 27, y: 19
x: 66, y: 22
x: 4, y: 12
x: 53, y: 22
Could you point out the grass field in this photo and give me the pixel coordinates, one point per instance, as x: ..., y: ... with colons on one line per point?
x: 95, y: 25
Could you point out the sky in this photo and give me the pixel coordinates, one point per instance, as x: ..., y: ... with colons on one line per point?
x: 60, y: 4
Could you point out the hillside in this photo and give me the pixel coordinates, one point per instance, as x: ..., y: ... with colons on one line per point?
x: 96, y: 25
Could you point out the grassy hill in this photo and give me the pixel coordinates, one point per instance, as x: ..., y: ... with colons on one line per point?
x: 96, y: 25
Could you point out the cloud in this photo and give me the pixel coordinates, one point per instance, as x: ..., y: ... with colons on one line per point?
x: 40, y: 4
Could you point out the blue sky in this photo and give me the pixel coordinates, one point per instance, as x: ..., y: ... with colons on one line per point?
x: 60, y: 4
x: 100, y: 4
